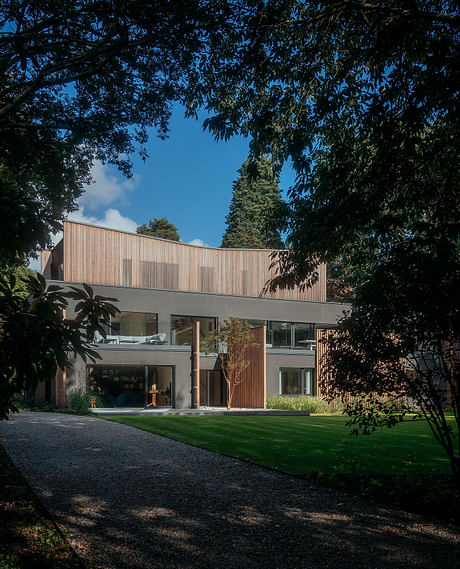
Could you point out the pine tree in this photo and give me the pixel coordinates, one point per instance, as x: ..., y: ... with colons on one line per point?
x: 159, y: 227
x: 253, y: 221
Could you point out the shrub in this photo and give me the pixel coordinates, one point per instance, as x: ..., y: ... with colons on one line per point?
x: 79, y: 401
x: 36, y: 405
x: 302, y: 403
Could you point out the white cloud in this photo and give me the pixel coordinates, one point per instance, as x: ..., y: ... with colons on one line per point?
x: 112, y: 219
x: 198, y: 243
x: 106, y: 189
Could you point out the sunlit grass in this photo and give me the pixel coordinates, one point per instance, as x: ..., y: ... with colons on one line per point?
x: 301, y: 445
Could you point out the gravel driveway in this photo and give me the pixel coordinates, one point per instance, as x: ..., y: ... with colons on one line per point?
x: 134, y: 499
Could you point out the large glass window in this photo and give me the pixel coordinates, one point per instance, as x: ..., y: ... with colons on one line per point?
x: 291, y: 335
x: 134, y: 324
x: 304, y: 336
x: 281, y: 334
x: 297, y: 381
x: 181, y: 328
x: 133, y: 328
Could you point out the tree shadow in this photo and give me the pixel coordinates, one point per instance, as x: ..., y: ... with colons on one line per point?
x: 133, y: 499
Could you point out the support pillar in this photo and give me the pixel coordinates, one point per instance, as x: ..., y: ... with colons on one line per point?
x: 60, y: 390
x: 196, y: 365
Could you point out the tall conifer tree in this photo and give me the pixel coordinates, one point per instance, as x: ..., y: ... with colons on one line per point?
x: 253, y: 221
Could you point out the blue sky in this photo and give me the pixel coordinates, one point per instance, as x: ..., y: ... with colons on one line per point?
x: 187, y: 178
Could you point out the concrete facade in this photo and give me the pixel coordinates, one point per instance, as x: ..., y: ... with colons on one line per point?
x: 167, y: 302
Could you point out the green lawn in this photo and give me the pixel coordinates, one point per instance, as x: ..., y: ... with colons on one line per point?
x: 303, y: 445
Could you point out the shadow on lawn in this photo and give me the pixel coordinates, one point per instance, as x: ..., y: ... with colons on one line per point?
x: 163, y: 505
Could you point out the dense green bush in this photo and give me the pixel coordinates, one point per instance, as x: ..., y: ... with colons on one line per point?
x: 79, y: 402
x: 302, y: 403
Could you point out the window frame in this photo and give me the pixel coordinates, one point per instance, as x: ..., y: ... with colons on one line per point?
x: 304, y: 371
x: 292, y: 332
x: 177, y: 316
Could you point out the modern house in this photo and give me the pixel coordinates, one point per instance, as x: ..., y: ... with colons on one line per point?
x: 163, y: 289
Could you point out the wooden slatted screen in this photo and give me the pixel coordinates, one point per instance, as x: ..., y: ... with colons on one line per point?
x: 251, y: 392
x: 321, y: 347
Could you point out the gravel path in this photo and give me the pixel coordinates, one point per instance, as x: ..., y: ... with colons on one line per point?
x: 133, y: 499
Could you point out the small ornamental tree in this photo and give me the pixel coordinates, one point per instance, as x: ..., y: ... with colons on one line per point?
x: 35, y: 336
x: 159, y: 227
x: 232, y: 340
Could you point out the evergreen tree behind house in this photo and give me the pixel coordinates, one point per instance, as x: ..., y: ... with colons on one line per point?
x: 253, y: 221
x: 159, y: 227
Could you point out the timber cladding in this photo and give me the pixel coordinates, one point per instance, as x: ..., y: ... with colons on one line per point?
x: 252, y: 391
x: 106, y: 256
x: 322, y: 376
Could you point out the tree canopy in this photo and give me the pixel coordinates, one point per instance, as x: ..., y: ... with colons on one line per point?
x: 83, y: 81
x: 363, y: 97
x: 159, y: 227
x: 253, y: 221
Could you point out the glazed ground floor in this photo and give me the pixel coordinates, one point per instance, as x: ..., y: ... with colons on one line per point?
x: 157, y: 341
x: 162, y: 377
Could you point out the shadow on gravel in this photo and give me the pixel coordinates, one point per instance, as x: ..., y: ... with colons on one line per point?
x: 144, y: 501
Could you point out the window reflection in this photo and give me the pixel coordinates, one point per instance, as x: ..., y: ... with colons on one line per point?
x: 181, y: 328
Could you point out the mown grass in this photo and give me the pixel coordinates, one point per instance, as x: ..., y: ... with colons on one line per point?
x: 404, y: 464
x: 28, y: 537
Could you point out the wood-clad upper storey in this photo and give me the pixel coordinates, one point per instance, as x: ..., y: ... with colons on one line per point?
x: 105, y: 256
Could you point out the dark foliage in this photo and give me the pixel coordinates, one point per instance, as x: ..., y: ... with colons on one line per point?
x: 83, y: 81
x: 159, y: 227
x: 36, y: 338
x: 363, y: 98
x: 256, y: 211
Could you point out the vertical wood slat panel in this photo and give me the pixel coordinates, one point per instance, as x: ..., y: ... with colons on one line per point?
x: 99, y: 256
x: 321, y: 347
x: 252, y: 391
x: 46, y: 263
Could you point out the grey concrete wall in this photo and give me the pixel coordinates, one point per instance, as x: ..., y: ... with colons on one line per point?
x: 165, y: 303
x: 276, y: 361
x: 180, y: 359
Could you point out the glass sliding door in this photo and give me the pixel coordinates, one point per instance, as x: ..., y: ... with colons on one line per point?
x: 212, y: 388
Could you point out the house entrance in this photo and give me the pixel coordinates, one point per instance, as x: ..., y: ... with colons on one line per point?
x: 212, y: 388
x: 132, y: 386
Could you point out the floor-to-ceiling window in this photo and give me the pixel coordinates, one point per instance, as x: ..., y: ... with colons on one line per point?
x: 212, y: 388
x: 291, y: 335
x: 288, y: 335
x: 132, y: 385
